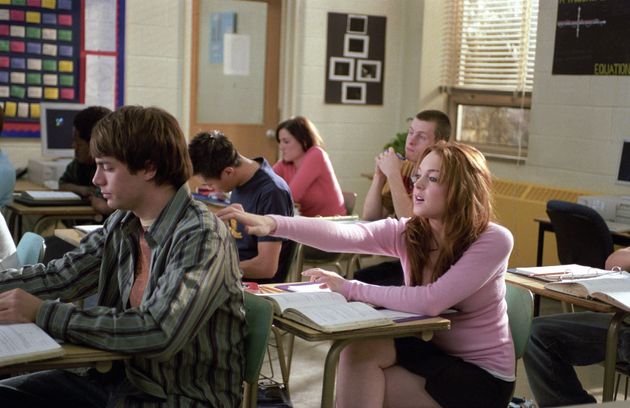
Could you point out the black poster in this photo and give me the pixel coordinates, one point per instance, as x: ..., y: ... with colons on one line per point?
x: 355, y: 59
x: 592, y: 38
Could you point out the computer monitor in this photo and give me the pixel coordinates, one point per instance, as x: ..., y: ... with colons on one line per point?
x: 56, y: 128
x: 623, y: 175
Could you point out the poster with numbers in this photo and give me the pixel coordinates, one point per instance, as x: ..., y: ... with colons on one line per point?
x: 58, y: 51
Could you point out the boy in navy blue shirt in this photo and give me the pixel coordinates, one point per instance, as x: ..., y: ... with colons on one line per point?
x: 257, y: 189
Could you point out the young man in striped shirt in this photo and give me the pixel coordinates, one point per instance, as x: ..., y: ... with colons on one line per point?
x: 167, y: 277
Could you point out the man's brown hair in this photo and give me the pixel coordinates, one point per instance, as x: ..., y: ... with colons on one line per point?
x: 138, y: 136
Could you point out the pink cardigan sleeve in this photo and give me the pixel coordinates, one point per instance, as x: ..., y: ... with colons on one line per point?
x: 382, y: 237
x: 485, y: 261
x: 312, y: 167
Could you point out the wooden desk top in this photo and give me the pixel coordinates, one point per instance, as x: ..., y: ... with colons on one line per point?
x: 76, y: 356
x: 70, y: 235
x: 538, y: 287
x: 52, y: 210
x: 396, y: 330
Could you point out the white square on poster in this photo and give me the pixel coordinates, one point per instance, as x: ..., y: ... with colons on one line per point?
x: 100, y: 17
x: 34, y: 64
x: 49, y: 49
x: 49, y: 34
x: 353, y: 92
x: 4, y: 14
x: 23, y: 110
x: 50, y: 79
x: 34, y: 92
x: 18, y: 31
x: 356, y: 45
x: 18, y: 77
x: 4, y: 92
x: 341, y: 69
x: 369, y: 70
x: 100, y: 80
x: 236, y: 54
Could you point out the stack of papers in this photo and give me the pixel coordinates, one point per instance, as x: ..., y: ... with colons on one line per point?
x: 51, y: 195
x: 555, y: 273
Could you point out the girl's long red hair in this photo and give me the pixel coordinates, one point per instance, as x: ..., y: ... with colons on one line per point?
x: 467, y: 214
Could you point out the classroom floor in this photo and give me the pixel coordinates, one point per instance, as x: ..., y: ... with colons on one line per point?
x: 308, y: 365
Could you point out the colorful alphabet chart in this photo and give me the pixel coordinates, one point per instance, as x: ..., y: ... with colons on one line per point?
x: 46, y: 55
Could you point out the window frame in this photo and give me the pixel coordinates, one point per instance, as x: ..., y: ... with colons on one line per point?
x: 484, y: 97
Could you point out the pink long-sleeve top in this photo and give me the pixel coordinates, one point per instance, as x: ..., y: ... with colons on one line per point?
x: 474, y: 286
x: 314, y: 184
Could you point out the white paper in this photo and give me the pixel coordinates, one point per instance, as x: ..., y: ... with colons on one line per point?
x: 100, y: 17
x: 310, y: 287
x: 86, y: 229
x: 236, y: 48
x: 24, y: 338
x: 9, y: 262
x: 100, y: 81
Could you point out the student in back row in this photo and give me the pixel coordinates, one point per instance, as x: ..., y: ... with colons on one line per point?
x: 390, y: 191
x: 307, y: 169
x: 255, y: 188
x: 166, y: 272
x: 80, y: 171
x: 559, y: 342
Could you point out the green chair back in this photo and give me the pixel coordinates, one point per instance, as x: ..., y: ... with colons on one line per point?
x: 258, y: 315
x: 30, y: 250
x: 520, y: 305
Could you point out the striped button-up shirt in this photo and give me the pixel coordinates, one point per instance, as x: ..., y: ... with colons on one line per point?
x: 186, y: 336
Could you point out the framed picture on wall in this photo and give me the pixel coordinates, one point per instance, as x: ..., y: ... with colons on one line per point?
x: 356, y: 45
x: 341, y: 69
x: 369, y: 70
x: 355, y: 59
x: 353, y: 92
x: 357, y: 24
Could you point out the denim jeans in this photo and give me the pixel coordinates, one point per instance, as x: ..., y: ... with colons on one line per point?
x: 61, y: 388
x: 559, y: 342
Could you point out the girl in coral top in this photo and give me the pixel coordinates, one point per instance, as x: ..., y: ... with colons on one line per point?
x: 453, y: 257
x: 307, y: 169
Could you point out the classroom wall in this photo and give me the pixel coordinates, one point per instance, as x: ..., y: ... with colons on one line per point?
x: 578, y: 122
x: 354, y: 134
x: 153, y: 65
x: 577, y: 126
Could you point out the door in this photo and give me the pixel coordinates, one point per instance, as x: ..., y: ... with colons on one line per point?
x: 235, y: 71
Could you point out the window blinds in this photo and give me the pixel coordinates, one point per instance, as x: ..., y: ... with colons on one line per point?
x: 492, y: 44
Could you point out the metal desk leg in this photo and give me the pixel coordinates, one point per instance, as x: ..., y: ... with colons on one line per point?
x: 541, y: 245
x: 330, y: 367
x: 611, y: 355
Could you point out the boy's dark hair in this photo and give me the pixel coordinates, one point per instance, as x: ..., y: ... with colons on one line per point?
x: 139, y: 136
x: 441, y: 120
x: 86, y: 119
x: 211, y: 153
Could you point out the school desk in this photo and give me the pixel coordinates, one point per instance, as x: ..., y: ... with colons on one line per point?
x: 340, y: 340
x: 47, y: 213
x: 70, y: 235
x: 537, y: 287
x: 76, y: 356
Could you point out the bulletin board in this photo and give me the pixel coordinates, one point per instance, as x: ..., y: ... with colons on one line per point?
x: 69, y: 51
x: 355, y: 59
